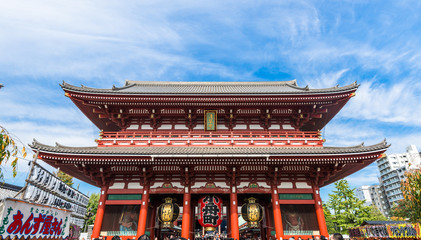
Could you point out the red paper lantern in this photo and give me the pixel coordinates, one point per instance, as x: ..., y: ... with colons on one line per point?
x: 210, y: 212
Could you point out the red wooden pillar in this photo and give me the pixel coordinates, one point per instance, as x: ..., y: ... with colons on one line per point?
x: 192, y: 221
x: 268, y: 222
x: 99, y: 213
x: 277, y: 214
x: 141, y: 226
x: 228, y: 219
x: 152, y: 222
x: 185, y: 225
x: 235, y: 231
x: 319, y: 212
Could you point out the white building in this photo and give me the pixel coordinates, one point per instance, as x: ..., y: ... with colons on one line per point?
x: 8, y: 190
x: 373, y: 197
x: 392, y: 169
x: 363, y: 193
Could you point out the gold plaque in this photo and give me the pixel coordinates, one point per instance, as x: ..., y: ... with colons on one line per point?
x: 210, y: 120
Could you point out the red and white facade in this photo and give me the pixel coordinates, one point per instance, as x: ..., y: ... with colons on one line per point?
x: 265, y: 143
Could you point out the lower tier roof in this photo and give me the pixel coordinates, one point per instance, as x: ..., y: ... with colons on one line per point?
x: 91, y: 164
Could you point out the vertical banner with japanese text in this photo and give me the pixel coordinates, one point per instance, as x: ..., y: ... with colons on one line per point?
x: 24, y: 219
x: 210, y: 120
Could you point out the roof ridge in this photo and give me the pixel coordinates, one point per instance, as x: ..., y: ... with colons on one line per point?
x: 180, y: 83
x: 383, y: 144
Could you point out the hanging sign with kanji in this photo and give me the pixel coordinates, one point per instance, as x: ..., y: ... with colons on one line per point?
x: 24, y: 219
x: 210, y: 212
x: 210, y: 120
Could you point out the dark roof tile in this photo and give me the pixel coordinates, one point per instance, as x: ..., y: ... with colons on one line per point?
x: 208, y: 150
x: 211, y: 88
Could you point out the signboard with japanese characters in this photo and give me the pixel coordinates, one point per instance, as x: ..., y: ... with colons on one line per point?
x: 43, y: 179
x: 24, y: 219
x: 387, y: 231
x: 45, y: 188
x: 210, y: 215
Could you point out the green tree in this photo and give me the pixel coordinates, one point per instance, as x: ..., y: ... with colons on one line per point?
x: 91, y: 210
x: 376, y: 215
x: 9, y: 150
x: 66, y: 178
x: 410, y: 206
x: 345, y: 209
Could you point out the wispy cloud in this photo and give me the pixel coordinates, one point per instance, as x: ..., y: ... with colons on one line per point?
x: 101, y: 43
x: 397, y: 102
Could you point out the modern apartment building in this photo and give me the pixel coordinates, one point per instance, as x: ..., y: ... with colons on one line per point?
x: 373, y: 196
x: 392, y: 169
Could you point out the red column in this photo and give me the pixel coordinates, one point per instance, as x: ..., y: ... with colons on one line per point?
x: 99, y: 213
x: 185, y: 224
x: 192, y: 221
x: 268, y: 222
x: 228, y: 219
x: 277, y: 214
x: 141, y: 226
x: 235, y: 231
x: 319, y: 212
x: 152, y: 222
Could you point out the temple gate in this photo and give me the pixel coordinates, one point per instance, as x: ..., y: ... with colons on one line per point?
x: 230, y: 141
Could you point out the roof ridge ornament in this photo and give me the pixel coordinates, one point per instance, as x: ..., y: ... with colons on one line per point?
x: 384, y: 142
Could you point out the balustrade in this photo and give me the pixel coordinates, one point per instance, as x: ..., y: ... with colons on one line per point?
x: 202, y: 138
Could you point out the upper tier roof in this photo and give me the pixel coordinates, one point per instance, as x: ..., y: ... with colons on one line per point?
x: 154, y: 87
x: 112, y: 109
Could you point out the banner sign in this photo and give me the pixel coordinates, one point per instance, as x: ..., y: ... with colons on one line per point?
x: 405, y: 230
x: 37, y: 195
x: 45, y: 179
x: 45, y: 188
x: 24, y: 219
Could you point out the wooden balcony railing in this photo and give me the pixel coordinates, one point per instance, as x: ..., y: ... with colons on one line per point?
x: 201, y: 138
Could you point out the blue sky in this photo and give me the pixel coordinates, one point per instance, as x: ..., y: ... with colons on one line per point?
x: 319, y: 43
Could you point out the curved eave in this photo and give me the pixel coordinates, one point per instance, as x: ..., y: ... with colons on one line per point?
x: 365, y: 155
x: 298, y: 90
x: 209, y: 150
x: 87, y: 99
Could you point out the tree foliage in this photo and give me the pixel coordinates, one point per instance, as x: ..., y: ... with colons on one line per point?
x: 91, y: 210
x: 345, y: 210
x: 376, y: 215
x: 410, y: 205
x: 9, y: 150
x: 399, y: 211
x: 66, y: 178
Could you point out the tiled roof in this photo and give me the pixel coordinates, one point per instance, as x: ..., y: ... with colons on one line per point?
x: 10, y: 187
x: 191, y: 151
x: 148, y: 87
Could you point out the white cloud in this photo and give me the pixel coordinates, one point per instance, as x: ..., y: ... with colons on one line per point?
x: 328, y: 79
x: 366, y: 176
x: 342, y: 133
x: 395, y: 103
x: 102, y: 39
x: 51, y: 133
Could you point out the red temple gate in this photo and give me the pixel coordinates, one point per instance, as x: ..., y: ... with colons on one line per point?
x: 186, y: 140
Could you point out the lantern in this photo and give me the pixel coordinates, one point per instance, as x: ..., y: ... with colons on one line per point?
x: 168, y: 213
x: 252, y: 212
x: 210, y: 212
